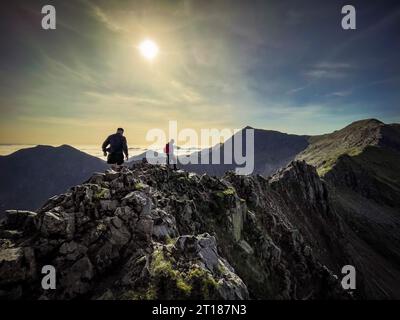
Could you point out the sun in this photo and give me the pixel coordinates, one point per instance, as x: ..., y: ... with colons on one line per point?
x: 148, y: 49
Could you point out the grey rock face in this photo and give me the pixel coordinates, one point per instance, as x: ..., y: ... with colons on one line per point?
x: 149, y: 233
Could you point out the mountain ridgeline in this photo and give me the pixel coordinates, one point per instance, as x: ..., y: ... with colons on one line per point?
x: 314, y: 205
x: 272, y: 151
x: 30, y: 176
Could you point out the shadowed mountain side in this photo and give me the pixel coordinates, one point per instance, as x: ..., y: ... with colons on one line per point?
x: 30, y: 176
x: 272, y: 150
x: 361, y: 167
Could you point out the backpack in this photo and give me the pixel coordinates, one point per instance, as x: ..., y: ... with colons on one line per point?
x: 166, y: 148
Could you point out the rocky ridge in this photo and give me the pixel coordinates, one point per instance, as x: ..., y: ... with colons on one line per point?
x: 149, y: 233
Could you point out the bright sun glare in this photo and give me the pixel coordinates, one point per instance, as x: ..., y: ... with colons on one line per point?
x: 148, y: 49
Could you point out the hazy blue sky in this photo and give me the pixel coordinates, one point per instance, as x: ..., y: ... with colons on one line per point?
x: 282, y: 65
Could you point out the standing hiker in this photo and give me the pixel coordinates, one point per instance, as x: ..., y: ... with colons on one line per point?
x: 116, y: 146
x: 169, y: 150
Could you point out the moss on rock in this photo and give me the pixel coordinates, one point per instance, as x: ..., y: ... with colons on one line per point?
x: 227, y: 192
x: 173, y: 282
x: 102, y: 193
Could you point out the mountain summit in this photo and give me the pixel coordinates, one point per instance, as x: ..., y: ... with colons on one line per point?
x: 324, y: 150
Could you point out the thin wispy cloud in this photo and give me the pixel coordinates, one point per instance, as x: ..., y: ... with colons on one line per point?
x: 296, y: 90
x: 339, y: 93
x: 330, y: 70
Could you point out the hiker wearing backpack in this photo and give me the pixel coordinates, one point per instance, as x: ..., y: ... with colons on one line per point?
x: 116, y: 146
x: 169, y: 151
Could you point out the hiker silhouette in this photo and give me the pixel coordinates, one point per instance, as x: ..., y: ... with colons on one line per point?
x: 116, y: 146
x: 169, y: 151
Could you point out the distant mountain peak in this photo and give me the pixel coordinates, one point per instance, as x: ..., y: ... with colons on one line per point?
x: 366, y: 122
x: 247, y: 127
x: 43, y: 146
x: 31, y: 175
x: 65, y: 146
x: 324, y: 151
x: 49, y: 147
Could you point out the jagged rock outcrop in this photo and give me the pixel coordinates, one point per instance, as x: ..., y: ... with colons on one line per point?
x: 360, y: 166
x: 149, y: 233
